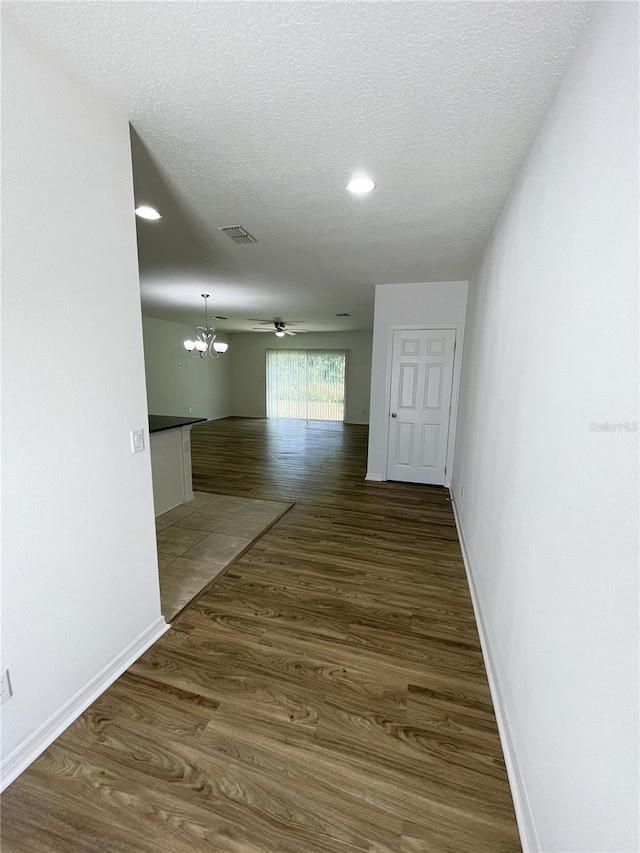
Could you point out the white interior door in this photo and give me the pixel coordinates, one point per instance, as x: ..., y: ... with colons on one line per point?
x: 420, y: 404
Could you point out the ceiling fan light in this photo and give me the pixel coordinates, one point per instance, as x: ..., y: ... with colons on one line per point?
x: 279, y: 334
x: 189, y: 346
x: 219, y: 346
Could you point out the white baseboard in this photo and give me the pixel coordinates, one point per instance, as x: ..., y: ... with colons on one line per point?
x: 173, y: 506
x: 375, y: 478
x: 524, y: 815
x: 35, y: 744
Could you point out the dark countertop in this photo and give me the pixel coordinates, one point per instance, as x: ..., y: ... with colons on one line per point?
x: 157, y: 423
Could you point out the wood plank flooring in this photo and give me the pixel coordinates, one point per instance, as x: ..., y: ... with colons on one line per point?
x: 327, y: 695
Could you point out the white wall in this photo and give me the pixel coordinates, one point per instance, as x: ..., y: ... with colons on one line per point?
x: 437, y: 303
x: 248, y: 369
x: 80, y: 590
x: 550, y: 507
x: 175, y: 381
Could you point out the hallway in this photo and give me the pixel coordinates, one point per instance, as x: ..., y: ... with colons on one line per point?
x: 327, y: 694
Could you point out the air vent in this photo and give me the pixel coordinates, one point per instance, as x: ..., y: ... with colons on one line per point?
x: 238, y: 234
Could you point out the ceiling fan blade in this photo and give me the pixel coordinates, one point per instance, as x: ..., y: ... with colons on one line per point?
x: 253, y: 329
x: 287, y: 332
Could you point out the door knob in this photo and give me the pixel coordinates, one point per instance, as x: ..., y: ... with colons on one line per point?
x: 394, y: 415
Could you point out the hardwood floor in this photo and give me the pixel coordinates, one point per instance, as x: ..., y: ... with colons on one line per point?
x: 328, y: 695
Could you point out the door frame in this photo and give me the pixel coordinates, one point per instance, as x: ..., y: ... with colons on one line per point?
x: 455, y: 385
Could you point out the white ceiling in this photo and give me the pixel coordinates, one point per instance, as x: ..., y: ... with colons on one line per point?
x: 256, y: 114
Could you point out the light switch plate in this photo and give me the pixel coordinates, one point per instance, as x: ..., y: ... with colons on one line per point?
x: 137, y: 440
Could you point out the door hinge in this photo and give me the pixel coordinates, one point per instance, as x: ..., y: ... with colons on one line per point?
x: 445, y: 469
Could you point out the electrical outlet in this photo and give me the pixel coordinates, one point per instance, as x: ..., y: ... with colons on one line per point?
x: 5, y: 686
x: 190, y: 410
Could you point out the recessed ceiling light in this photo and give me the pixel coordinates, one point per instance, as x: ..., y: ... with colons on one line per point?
x: 360, y: 184
x: 146, y: 212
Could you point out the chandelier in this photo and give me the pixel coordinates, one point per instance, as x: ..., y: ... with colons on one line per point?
x: 205, y: 343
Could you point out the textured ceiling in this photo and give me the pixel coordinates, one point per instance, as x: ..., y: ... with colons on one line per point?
x: 256, y: 114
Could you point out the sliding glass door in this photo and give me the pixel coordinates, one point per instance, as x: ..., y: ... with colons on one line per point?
x: 306, y: 384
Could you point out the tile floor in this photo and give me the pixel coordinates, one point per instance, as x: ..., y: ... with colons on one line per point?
x: 198, y: 540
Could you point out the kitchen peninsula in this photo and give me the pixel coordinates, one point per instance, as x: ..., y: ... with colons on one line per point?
x: 170, y: 444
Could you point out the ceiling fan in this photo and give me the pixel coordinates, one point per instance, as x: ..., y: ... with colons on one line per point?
x: 278, y: 327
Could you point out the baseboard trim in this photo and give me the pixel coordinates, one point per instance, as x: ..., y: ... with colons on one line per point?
x: 169, y: 508
x: 522, y: 806
x: 35, y: 744
x: 374, y: 478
